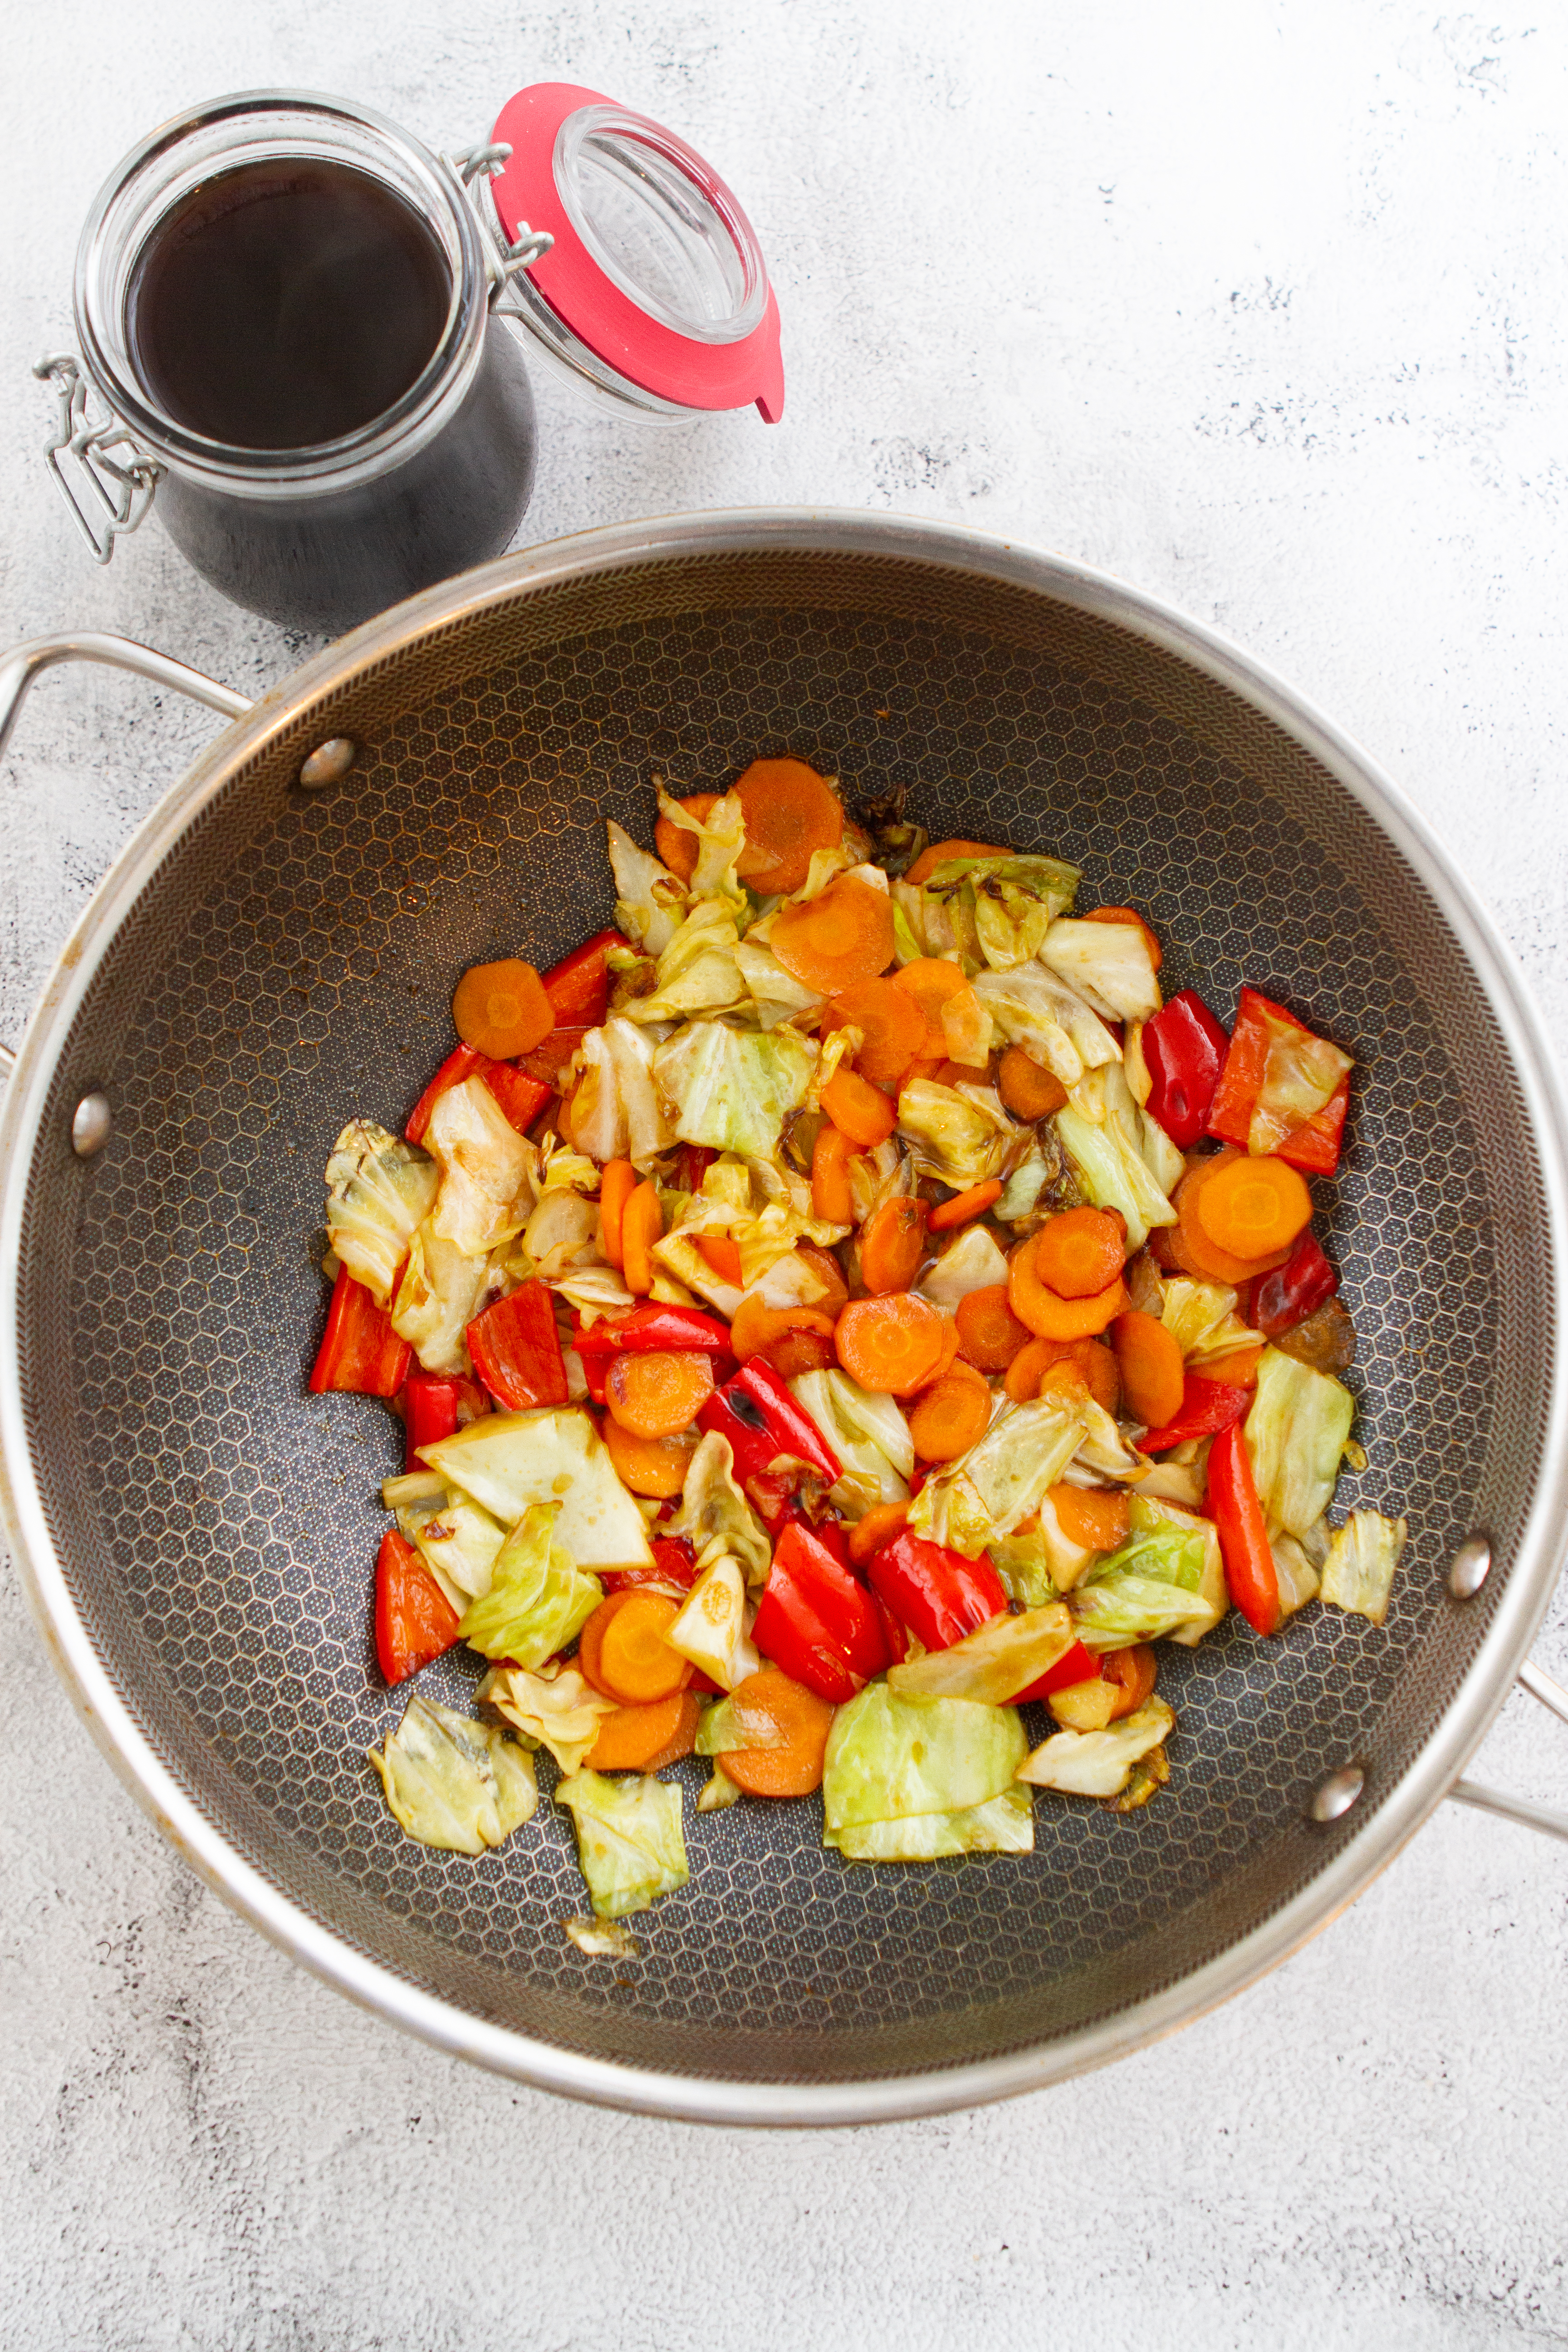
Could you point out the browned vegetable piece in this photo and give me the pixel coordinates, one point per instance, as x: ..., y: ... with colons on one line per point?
x: 1326, y: 1339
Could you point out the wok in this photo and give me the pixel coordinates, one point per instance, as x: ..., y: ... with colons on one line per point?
x: 196, y: 1533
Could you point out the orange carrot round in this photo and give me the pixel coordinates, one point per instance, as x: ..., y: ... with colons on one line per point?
x: 1095, y: 1517
x: 932, y: 982
x: 646, y: 1738
x: 831, y: 1197
x: 880, y: 1526
x: 756, y: 1327
x: 1189, y: 1242
x: 660, y: 1393
x: 963, y: 1206
x: 951, y: 1415
x: 939, y: 853
x: 501, y: 1010
x: 717, y: 1252
x: 1152, y: 1369
x: 824, y: 1264
x: 676, y: 847
x: 1129, y: 914
x: 623, y: 1652
x: 1132, y: 1671
x: 893, y: 1346
x: 1079, y: 1252
x: 1047, y: 1313
x: 793, y: 1352
x: 617, y: 1186
x: 989, y: 1334
x: 791, y: 813
x: 892, y: 1244
x: 1100, y: 1367
x: 1029, y: 1090
x: 861, y: 1110
x: 795, y: 1769
x: 841, y: 937
x: 1239, y: 1369
x: 1255, y: 1205
x: 1024, y: 1372
x: 642, y: 1224
x: 891, y: 1023
x: 649, y: 1465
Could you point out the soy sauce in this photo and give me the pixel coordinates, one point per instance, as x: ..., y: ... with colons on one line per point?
x: 285, y: 304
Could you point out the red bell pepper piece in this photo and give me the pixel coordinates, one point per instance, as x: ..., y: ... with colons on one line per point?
x: 692, y: 1162
x: 578, y: 986
x: 436, y: 1405
x: 674, y: 1562
x: 1207, y: 1406
x: 516, y: 1350
x: 893, y: 1631
x: 771, y: 1494
x: 1314, y: 1145
x: 1250, y: 1576
x: 655, y: 1330
x: 547, y: 1062
x: 1183, y: 1049
x: 1293, y: 1291
x: 1075, y: 1664
x: 815, y: 1621
x: 359, y: 1351
x: 521, y: 1098
x: 414, y: 1621
x: 940, y: 1594
x: 753, y: 1449
x: 786, y: 1421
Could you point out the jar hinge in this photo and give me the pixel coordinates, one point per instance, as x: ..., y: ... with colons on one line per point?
x: 122, y: 488
x: 503, y: 259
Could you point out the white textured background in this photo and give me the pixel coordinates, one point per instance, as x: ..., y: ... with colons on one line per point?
x: 1260, y: 305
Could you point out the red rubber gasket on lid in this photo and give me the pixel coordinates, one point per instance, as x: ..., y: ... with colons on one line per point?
x: 672, y: 366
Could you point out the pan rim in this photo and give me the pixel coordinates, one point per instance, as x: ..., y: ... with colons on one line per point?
x: 1362, y: 1853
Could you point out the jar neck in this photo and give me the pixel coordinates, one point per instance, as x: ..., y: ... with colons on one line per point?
x: 276, y: 127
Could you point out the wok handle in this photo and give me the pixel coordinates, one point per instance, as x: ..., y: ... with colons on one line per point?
x: 1519, y: 1809
x: 23, y: 664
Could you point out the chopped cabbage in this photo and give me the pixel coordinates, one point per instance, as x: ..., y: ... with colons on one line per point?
x: 735, y: 1723
x: 436, y: 1300
x: 378, y: 1189
x: 890, y: 1758
x: 555, y: 1708
x: 869, y: 1435
x: 453, y: 1783
x: 1100, y: 1763
x: 630, y: 1845
x: 1036, y: 1009
x: 719, y: 1792
x: 712, y: 1627
x: 972, y: 1262
x: 1300, y: 1074
x: 616, y: 1112
x: 456, y: 1539
x: 537, y: 1601
x: 678, y: 1253
x: 777, y: 993
x: 604, y: 1939
x: 1098, y: 1129
x: 1148, y: 1587
x: 649, y: 900
x: 508, y: 1461
x: 1110, y: 964
x: 1002, y: 1478
x: 993, y: 1664
x: 1003, y: 1825
x: 1103, y: 1452
x: 732, y: 1089
x: 1021, y: 1192
x: 1146, y: 1513
x: 562, y: 1235
x: 595, y: 1291
x: 954, y: 1134
x: 714, y: 1516
x: 1294, y: 1574
x: 966, y: 1025
x: 720, y: 837
x: 1038, y: 1561
x: 1358, y: 1573
x: 1296, y: 1435
x: 483, y: 1163
x: 697, y: 971
x: 1197, y: 1313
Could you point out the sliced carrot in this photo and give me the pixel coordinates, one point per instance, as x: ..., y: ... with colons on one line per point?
x: 1029, y: 1090
x: 823, y: 1263
x: 880, y: 1526
x: 989, y: 1334
x: 861, y: 1110
x: 1132, y: 1671
x: 949, y: 1356
x: 932, y: 982
x: 893, y: 1346
x: 795, y: 1769
x: 501, y: 1009
x: 1094, y: 1517
x: 649, y: 1465
x: 1078, y: 1252
x: 1101, y: 1370
x: 617, y: 1186
x: 646, y: 1738
x: 893, y: 1025
x: 841, y: 937
x: 1129, y: 914
x: 1028, y: 1367
x: 1189, y: 1243
x: 658, y: 1393
x: 940, y: 852
x: 793, y: 1352
x: 892, y: 1244
x: 621, y: 1650
x: 1254, y: 1206
x: 756, y: 1326
x: 832, y: 1199
x: 1047, y: 1313
x: 951, y: 1415
x: 1239, y: 1369
x: 1091, y: 1359
x: 1152, y: 1369
x: 965, y: 1205
x: 791, y: 813
x: 718, y: 1251
x: 642, y: 1224
x: 678, y: 848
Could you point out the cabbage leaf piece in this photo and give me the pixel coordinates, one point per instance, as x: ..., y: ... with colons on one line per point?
x: 720, y: 837
x: 737, y: 1723
x: 453, y: 1783
x: 1003, y: 1825
x: 730, y: 1088
x: 1296, y: 1435
x: 508, y: 1461
x: 1149, y: 1587
x: 959, y: 1135
x: 378, y: 1189
x: 1110, y: 964
x: 715, y: 1517
x: 1301, y: 1072
x: 631, y: 1847
x: 649, y: 900
x: 1100, y: 1763
x: 1104, y: 1133
x: 869, y: 1435
x: 556, y: 1708
x: 616, y: 1110
x: 697, y: 971
x: 436, y: 1300
x: 456, y: 1539
x: 1002, y: 1478
x: 1146, y: 1513
x: 777, y: 993
x: 484, y: 1163
x: 1363, y: 1554
x: 604, y: 1939
x: 972, y: 1262
x: 993, y: 1664
x: 1037, y: 1010
x: 710, y: 1629
x: 890, y: 1758
x: 537, y: 1599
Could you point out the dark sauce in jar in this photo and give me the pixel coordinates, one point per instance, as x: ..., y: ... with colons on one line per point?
x: 285, y: 304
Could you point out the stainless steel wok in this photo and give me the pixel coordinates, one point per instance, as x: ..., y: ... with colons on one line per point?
x: 197, y: 1534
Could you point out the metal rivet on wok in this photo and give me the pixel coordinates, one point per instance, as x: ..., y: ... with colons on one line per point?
x: 328, y: 764
x: 90, y: 1124
x: 1334, y: 1796
x: 1470, y: 1568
